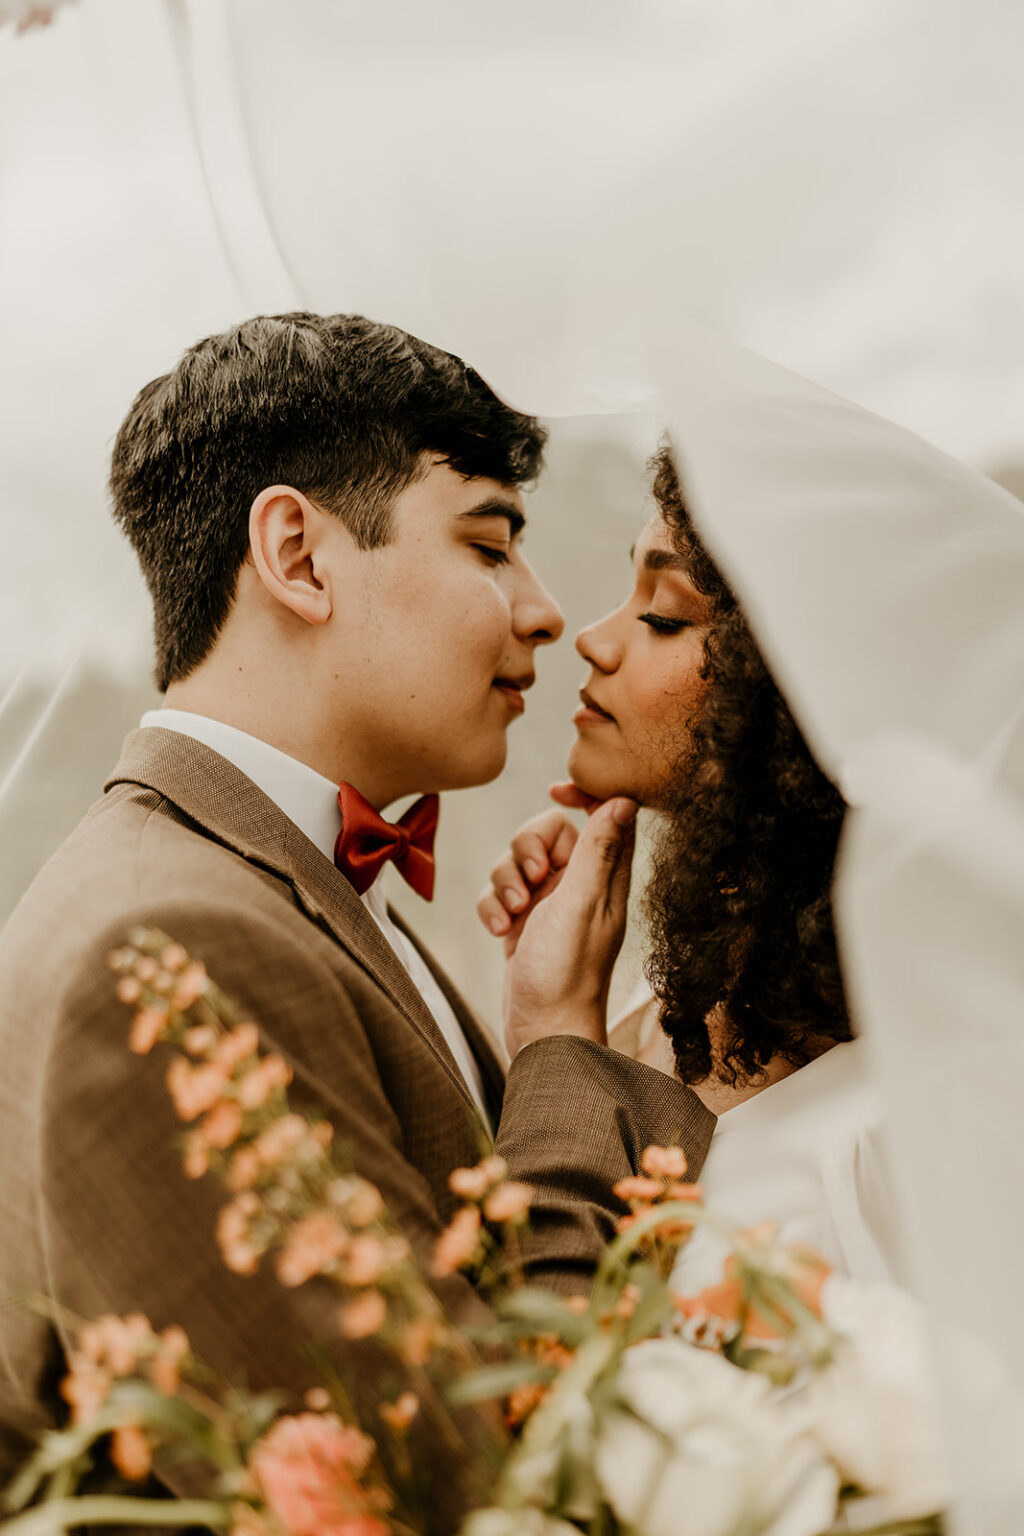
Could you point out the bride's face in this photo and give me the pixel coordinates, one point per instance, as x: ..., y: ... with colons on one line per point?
x: 644, y: 684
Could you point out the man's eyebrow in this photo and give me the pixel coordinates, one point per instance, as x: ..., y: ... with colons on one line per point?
x: 495, y: 506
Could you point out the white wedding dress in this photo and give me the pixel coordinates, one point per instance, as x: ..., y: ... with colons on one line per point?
x: 806, y: 1153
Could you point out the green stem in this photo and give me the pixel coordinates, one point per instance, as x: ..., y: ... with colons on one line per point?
x: 621, y: 1248
x: 98, y: 1509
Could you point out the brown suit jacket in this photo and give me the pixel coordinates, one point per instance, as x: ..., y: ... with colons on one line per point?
x: 95, y: 1210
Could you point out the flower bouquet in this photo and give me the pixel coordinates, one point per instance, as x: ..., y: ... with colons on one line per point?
x: 783, y: 1401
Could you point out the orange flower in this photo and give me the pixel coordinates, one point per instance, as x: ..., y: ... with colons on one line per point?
x: 189, y: 986
x: 147, y: 1027
x: 116, y: 1342
x: 255, y: 1088
x: 308, y: 1468
x: 128, y: 989
x: 468, y: 1183
x: 173, y: 957
x: 222, y: 1126
x: 200, y: 1038
x: 494, y: 1167
x: 508, y: 1202
x: 165, y: 1366
x: 196, y: 1160
x: 359, y: 1200
x: 458, y: 1244
x: 280, y: 1139
x: 234, y: 1238
x: 637, y: 1187
x: 363, y: 1316
x: 85, y: 1388
x: 194, y: 1089
x: 310, y: 1247
x: 131, y: 1453
x: 416, y: 1343
x: 237, y: 1045
x: 664, y: 1162
x: 400, y: 1414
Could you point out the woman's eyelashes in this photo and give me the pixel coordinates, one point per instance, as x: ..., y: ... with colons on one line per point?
x: 662, y: 625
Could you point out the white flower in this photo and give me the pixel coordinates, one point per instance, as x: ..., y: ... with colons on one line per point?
x: 700, y: 1446
x: 873, y: 1410
x: 515, y: 1522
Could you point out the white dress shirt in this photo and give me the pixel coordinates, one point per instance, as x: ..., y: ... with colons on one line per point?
x: 311, y: 802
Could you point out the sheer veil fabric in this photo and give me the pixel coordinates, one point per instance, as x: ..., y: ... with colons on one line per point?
x: 595, y: 204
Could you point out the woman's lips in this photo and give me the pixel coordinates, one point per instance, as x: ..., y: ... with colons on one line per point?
x: 591, y: 713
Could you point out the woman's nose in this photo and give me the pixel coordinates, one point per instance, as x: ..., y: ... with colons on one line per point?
x: 596, y: 643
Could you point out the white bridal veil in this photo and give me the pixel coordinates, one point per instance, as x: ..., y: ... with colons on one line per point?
x: 595, y: 203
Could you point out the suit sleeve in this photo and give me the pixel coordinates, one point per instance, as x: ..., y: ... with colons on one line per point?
x: 576, y: 1119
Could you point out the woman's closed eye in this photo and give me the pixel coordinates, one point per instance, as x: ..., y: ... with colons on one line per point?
x: 662, y: 625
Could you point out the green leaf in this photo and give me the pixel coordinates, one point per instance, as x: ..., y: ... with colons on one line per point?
x: 497, y: 1381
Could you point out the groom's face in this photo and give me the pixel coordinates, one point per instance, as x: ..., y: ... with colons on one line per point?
x: 434, y: 636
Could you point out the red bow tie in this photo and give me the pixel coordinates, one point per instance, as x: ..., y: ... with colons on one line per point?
x: 366, y: 841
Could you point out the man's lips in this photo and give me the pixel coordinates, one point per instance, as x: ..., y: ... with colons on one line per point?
x: 590, y: 712
x: 513, y: 688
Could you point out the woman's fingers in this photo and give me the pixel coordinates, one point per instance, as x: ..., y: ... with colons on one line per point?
x: 566, y: 793
x: 493, y: 913
x: 544, y: 844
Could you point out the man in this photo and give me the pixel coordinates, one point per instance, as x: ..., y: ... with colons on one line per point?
x: 328, y: 515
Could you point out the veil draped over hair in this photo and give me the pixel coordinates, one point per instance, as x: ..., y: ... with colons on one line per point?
x: 594, y: 204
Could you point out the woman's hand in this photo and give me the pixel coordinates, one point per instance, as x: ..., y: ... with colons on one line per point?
x: 566, y: 927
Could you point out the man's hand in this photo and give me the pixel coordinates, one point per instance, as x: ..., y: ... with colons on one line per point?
x: 565, y: 929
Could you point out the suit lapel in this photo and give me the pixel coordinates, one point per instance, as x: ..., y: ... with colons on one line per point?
x: 228, y: 807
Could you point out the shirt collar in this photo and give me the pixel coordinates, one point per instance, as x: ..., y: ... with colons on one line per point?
x: 305, y: 796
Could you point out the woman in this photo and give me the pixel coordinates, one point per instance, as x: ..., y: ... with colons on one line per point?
x: 681, y: 713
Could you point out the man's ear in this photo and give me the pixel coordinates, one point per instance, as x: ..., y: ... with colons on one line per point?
x: 287, y: 541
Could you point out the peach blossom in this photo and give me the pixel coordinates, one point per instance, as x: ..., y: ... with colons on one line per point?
x: 237, y: 1045
x: 664, y: 1162
x: 468, y: 1183
x: 363, y: 1316
x: 200, y: 1039
x: 637, y: 1187
x: 165, y: 1366
x: 131, y: 1453
x: 366, y: 1260
x: 360, y: 1201
x: 310, y: 1247
x: 280, y: 1139
x: 196, y: 1158
x: 223, y: 1125
x: 194, y: 1089
x: 684, y: 1192
x: 116, y: 1342
x: 246, y: 1167
x: 508, y: 1202
x: 173, y: 957
x: 85, y: 1388
x: 189, y: 986
x: 317, y: 1398
x: 458, y: 1243
x: 494, y: 1167
x: 255, y: 1088
x: 128, y: 989
x: 416, y: 1343
x: 400, y: 1414
x: 147, y: 1027
x: 308, y: 1467
x: 146, y: 969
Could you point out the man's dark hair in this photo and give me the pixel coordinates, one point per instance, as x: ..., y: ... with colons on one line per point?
x: 740, y: 899
x: 340, y: 407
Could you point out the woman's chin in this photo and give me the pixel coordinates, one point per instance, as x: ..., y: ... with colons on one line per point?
x: 602, y: 780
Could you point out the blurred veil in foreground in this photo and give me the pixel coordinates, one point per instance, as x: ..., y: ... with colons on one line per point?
x: 600, y: 206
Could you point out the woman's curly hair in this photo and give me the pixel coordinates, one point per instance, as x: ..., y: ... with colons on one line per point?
x: 739, y: 904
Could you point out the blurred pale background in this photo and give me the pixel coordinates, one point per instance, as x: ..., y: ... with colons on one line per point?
x: 878, y: 251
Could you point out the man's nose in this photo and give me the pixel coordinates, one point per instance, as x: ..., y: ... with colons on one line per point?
x: 538, y: 617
